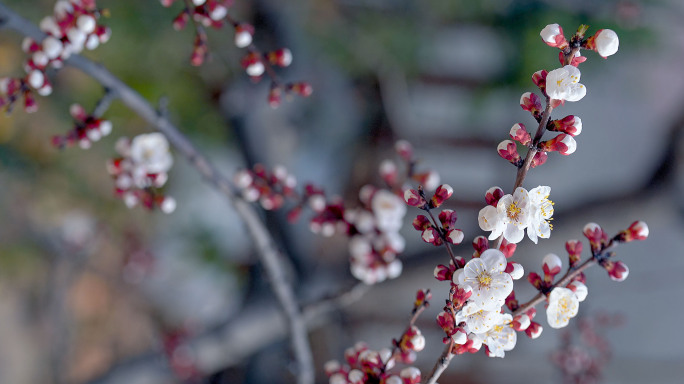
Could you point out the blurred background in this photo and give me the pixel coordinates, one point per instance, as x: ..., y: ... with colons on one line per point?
x: 92, y: 292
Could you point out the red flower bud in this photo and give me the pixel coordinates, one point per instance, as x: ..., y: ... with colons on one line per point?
x: 281, y: 57
x: 493, y: 195
x: 539, y: 79
x: 448, y: 218
x: 413, y: 198
x: 509, y: 151
x: 539, y: 159
x: 572, y: 125
x: 520, y: 134
x: 442, y: 193
x: 531, y: 102
x: 562, y: 143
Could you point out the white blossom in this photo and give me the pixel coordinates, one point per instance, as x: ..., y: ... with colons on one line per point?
x: 389, y: 210
x: 541, y: 211
x: 563, y: 84
x: 487, y: 277
x: 580, y: 290
x: 510, y: 217
x: 477, y: 320
x: 549, y: 33
x: 501, y: 337
x: 150, y: 152
x: 607, y: 42
x: 563, y: 305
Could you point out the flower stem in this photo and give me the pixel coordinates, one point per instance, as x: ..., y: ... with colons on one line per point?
x: 441, y: 364
x: 565, y: 280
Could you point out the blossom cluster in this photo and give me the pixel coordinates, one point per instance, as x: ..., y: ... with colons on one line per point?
x: 141, y: 171
x: 87, y: 129
x: 215, y: 14
x: 365, y: 366
x: 510, y: 215
x: 479, y: 289
x: 557, y: 87
x: 72, y: 28
x: 482, y: 288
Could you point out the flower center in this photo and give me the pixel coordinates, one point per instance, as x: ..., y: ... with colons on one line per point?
x: 484, y: 279
x: 498, y: 328
x: 513, y: 211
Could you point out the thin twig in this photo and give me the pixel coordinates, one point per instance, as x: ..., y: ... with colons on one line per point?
x: 572, y: 272
x: 104, y: 103
x: 273, y: 262
x: 441, y: 364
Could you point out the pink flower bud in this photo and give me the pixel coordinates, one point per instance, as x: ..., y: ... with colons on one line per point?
x: 552, y: 35
x: 535, y: 280
x: 480, y: 244
x: 605, y: 42
x: 508, y: 249
x: 302, y: 89
x: 574, y: 248
x: 539, y: 159
x: 410, y: 375
x: 521, y: 322
x: 597, y: 237
x: 617, y: 270
x: 168, y: 205
x: 520, y: 134
x: 580, y: 290
x: 455, y: 236
x: 253, y: 65
x: 429, y: 235
x: 448, y: 218
x: 530, y: 102
x: 637, y: 231
x: 493, y: 195
x: 443, y: 273
x: 281, y: 57
x: 562, y: 143
x: 275, y: 97
x: 516, y: 271
x: 572, y: 125
x: 509, y: 151
x: 574, y: 61
x: 181, y: 21
x: 36, y: 79
x: 413, y: 198
x: 243, y: 35
x: 404, y: 149
x: 534, y: 330
x: 442, y: 194
x: 446, y: 321
x: 421, y: 223
x: 539, y: 79
x: 86, y: 23
x: 551, y: 266
x: 30, y: 105
x: 389, y: 172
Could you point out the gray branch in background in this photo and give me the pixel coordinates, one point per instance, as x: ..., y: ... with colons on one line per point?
x: 273, y: 262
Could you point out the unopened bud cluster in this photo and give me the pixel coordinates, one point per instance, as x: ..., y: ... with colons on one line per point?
x: 215, y: 14
x: 87, y: 129
x: 72, y: 28
x: 366, y: 366
x: 141, y: 171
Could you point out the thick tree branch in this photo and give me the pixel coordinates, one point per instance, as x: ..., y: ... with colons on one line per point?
x: 273, y: 262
